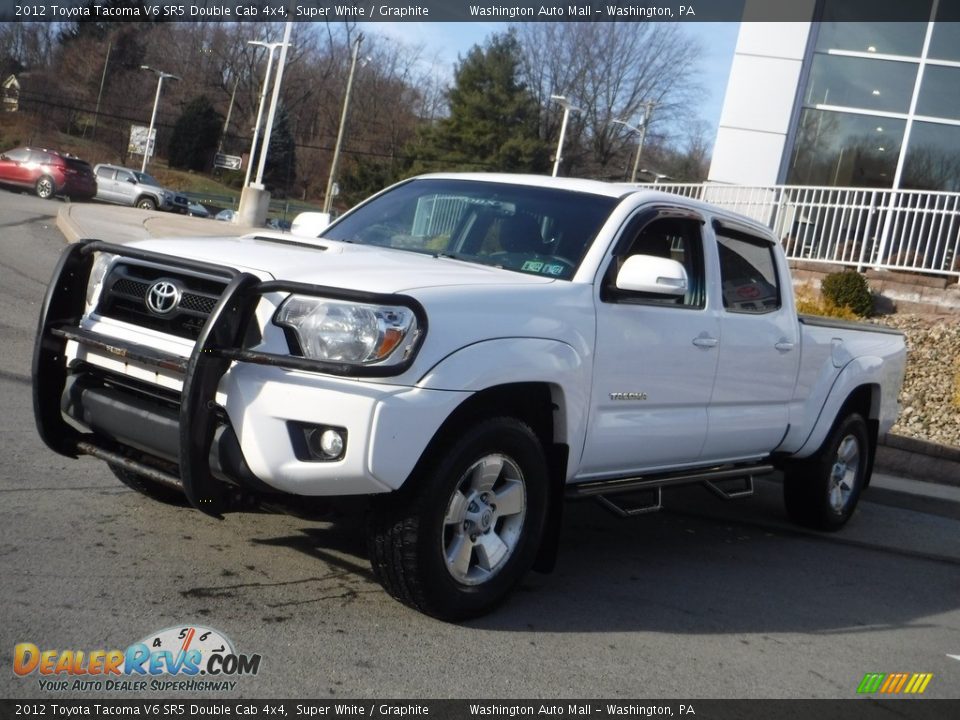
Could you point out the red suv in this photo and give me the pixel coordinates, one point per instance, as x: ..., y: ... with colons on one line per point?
x: 47, y: 173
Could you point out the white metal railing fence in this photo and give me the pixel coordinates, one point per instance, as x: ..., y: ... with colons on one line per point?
x: 911, y: 230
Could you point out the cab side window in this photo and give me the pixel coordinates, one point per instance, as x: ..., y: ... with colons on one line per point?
x: 676, y: 239
x: 106, y: 173
x: 748, y: 273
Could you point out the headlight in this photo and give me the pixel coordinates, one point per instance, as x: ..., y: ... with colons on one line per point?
x: 349, y: 332
x: 97, y: 273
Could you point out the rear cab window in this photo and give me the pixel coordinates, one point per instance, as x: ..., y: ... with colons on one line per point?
x: 748, y: 271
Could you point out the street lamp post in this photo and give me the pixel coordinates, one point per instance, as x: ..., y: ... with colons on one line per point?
x: 567, y: 109
x: 328, y: 196
x: 263, y: 96
x: 274, y: 100
x: 642, y: 132
x: 161, y: 76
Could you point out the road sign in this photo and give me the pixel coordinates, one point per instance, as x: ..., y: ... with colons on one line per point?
x: 227, y: 162
x: 138, y: 139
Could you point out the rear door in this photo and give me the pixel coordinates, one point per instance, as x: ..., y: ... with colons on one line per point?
x: 655, y: 356
x: 759, y: 351
x: 106, y: 184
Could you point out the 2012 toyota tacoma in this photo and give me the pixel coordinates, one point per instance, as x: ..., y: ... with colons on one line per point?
x: 467, y: 351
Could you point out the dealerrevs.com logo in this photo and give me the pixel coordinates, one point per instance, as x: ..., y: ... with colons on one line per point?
x: 183, y: 658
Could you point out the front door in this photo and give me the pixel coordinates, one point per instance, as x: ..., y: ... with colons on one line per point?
x: 655, y: 361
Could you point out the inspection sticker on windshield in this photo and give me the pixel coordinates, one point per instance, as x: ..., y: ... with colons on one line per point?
x: 542, y: 267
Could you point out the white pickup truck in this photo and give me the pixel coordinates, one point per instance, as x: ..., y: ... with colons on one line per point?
x: 467, y: 351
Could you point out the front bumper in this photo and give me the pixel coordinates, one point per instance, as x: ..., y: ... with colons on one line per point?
x: 231, y: 421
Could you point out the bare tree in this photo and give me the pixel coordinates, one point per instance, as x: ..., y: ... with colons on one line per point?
x: 609, y: 70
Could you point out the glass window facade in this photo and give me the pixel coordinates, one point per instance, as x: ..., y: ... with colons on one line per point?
x: 861, y: 83
x: 865, y: 121
x: 845, y: 150
x: 887, y: 34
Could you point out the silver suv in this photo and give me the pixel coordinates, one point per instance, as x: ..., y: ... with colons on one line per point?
x: 131, y: 187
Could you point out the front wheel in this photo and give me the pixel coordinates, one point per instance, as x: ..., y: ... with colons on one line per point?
x: 457, y: 538
x: 822, y: 492
x: 146, y: 203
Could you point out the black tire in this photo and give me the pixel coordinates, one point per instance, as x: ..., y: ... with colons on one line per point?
x: 146, y: 203
x: 446, y: 506
x: 45, y: 187
x: 822, y: 492
x: 150, y: 488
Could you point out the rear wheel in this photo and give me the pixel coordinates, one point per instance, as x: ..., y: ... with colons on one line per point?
x: 822, y: 492
x: 45, y: 187
x: 151, y: 488
x: 146, y: 203
x: 457, y: 538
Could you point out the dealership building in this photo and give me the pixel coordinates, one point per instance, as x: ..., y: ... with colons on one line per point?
x: 842, y: 132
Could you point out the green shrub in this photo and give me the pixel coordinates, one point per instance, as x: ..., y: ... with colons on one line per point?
x: 810, y: 303
x: 848, y: 289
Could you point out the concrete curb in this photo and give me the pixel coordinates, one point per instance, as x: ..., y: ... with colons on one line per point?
x: 919, y: 460
x: 65, y: 224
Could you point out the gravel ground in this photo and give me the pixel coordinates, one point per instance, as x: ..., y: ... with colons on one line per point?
x: 931, y: 389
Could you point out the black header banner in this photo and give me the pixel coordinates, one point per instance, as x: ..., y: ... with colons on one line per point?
x: 363, y: 11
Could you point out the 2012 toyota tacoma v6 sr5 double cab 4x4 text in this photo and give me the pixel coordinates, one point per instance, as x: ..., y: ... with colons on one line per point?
x: 467, y: 351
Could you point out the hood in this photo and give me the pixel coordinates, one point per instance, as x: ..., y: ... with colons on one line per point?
x: 336, y: 264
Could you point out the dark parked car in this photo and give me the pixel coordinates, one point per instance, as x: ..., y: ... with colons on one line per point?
x: 47, y: 173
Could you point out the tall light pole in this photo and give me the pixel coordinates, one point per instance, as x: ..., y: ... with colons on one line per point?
x: 567, y: 109
x: 274, y: 99
x: 328, y: 196
x: 103, y: 80
x: 161, y: 76
x: 642, y: 132
x: 263, y: 96
x: 226, y: 123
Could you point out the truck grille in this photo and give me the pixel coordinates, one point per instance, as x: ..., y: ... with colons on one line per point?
x: 126, y: 293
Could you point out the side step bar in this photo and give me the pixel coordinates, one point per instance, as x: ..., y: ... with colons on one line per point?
x: 650, y: 487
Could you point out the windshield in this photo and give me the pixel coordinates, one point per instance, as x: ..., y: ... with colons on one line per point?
x: 539, y: 231
x: 146, y: 179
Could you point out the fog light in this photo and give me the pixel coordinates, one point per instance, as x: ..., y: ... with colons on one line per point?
x: 331, y: 443
x: 325, y: 443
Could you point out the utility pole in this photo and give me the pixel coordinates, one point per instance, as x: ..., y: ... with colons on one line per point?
x: 161, y: 76
x: 328, y: 196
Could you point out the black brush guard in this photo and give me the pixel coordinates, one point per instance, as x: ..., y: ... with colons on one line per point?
x: 220, y: 343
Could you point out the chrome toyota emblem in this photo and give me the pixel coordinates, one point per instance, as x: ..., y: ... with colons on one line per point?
x: 162, y: 297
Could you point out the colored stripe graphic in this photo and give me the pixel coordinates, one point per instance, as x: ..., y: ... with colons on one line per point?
x: 895, y: 683
x: 871, y: 682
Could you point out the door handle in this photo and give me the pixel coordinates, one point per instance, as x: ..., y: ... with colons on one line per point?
x: 784, y: 346
x: 705, y: 342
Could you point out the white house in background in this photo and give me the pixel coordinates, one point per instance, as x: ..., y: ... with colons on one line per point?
x: 10, y: 92
x: 830, y: 102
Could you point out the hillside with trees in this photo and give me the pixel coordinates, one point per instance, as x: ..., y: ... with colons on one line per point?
x: 493, y: 113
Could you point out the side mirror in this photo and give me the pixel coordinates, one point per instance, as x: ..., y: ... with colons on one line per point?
x: 651, y: 274
x: 310, y: 224
x: 132, y: 181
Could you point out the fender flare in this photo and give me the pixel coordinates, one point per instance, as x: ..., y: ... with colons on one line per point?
x: 866, y: 370
x: 503, y: 361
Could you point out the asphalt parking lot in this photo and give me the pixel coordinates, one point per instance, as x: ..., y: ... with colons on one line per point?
x: 704, y: 600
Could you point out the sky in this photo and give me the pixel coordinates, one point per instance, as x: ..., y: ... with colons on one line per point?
x: 446, y: 41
